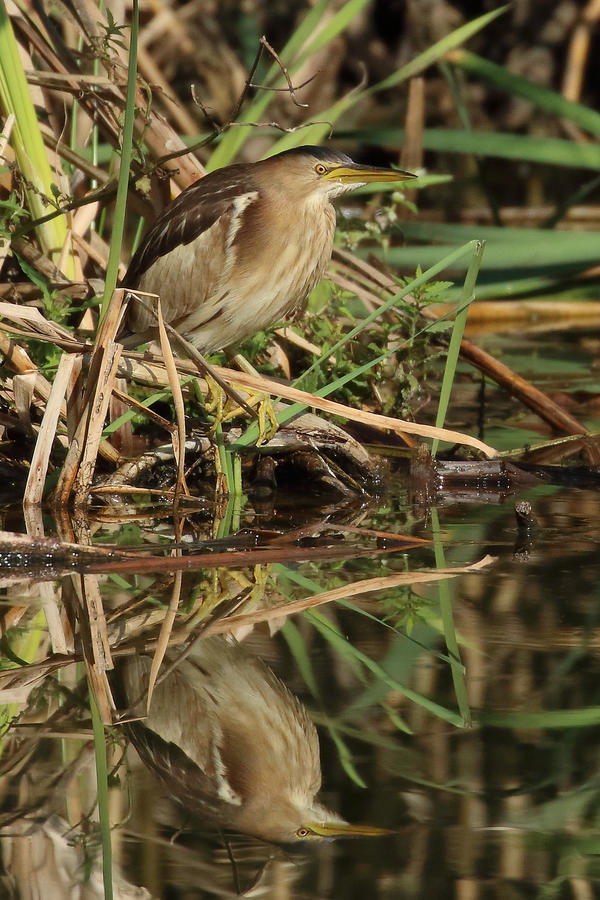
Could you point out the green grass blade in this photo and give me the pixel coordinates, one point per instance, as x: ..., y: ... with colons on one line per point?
x: 414, y: 285
x: 116, y: 242
x: 539, y: 96
x: 338, y: 22
x: 522, y: 147
x: 445, y: 598
x: 587, y: 717
x: 316, y: 133
x: 297, y: 647
x: 250, y: 435
x: 349, y: 651
x: 439, y: 49
x: 467, y: 296
x: 103, y: 804
x: 27, y: 142
x: 345, y: 756
x: 527, y: 251
x: 310, y: 585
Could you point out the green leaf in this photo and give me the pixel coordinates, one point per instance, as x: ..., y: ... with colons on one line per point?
x: 116, y: 242
x: 28, y: 143
x: 516, y: 249
x: 516, y: 85
x: 318, y: 132
x: 548, y: 151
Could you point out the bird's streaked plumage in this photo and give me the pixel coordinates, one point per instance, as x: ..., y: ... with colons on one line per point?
x: 232, y: 744
x: 243, y: 247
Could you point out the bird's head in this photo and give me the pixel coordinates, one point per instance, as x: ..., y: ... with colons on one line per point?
x: 286, y: 823
x: 306, y: 171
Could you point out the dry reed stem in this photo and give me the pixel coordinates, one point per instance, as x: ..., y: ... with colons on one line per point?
x: 83, y: 592
x: 411, y: 155
x: 348, y: 591
x: 288, y: 334
x: 23, y: 389
x: 94, y: 421
x: 56, y: 631
x: 102, y: 694
x: 19, y: 361
x: 166, y: 629
x: 129, y: 369
x: 387, y: 423
x: 79, y: 465
x: 578, y: 51
x: 41, y: 454
x: 97, y: 668
x: 178, y: 436
x: 92, y: 601
x: 4, y: 139
x: 132, y: 403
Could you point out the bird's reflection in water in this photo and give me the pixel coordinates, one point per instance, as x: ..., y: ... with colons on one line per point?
x: 233, y: 745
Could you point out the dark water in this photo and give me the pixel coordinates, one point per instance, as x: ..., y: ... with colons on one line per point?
x: 462, y: 715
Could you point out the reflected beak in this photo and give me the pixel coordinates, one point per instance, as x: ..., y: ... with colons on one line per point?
x: 357, y: 174
x: 346, y: 829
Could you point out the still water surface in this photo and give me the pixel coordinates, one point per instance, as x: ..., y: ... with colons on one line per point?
x: 462, y: 715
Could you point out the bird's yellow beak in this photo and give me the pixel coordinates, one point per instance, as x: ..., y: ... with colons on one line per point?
x: 361, y: 174
x: 346, y: 829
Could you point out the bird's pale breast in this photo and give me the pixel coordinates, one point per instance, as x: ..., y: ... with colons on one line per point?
x: 243, y: 274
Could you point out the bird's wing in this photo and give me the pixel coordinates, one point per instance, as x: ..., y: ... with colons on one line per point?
x: 190, y: 215
x: 179, y: 738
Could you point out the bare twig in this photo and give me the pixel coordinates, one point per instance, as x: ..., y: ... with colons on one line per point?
x: 290, y: 87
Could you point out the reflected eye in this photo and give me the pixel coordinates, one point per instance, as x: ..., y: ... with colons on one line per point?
x: 304, y: 832
x: 320, y: 169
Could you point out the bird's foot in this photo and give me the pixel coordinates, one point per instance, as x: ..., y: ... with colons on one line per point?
x: 267, y: 417
x: 223, y: 410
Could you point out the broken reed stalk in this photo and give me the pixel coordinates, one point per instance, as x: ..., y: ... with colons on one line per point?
x: 80, y: 462
x: 43, y: 446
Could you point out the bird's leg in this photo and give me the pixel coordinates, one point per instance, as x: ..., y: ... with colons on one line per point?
x: 216, y: 404
x: 267, y: 417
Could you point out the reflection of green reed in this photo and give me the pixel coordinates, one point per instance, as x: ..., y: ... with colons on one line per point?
x: 103, y: 798
x: 19, y: 647
x: 112, y: 274
x: 364, y: 668
x: 445, y: 595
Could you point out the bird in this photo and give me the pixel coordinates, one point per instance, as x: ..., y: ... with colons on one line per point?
x: 232, y: 744
x: 242, y: 247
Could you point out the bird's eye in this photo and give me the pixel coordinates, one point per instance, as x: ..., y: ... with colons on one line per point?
x: 303, y: 832
x: 320, y: 169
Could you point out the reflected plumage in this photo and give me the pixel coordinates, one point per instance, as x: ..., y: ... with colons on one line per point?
x: 243, y: 247
x: 233, y: 745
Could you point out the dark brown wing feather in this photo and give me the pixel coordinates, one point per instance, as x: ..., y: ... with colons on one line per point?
x: 185, y: 781
x: 194, y: 211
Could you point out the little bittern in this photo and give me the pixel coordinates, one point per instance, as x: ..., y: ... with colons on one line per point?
x: 233, y: 745
x: 243, y: 247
